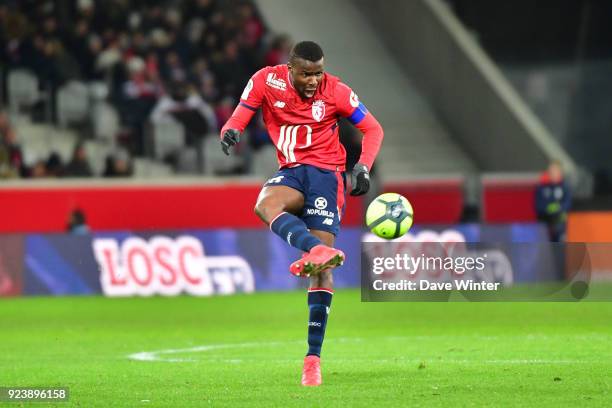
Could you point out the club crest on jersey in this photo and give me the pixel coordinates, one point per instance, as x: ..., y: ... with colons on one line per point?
x: 318, y: 110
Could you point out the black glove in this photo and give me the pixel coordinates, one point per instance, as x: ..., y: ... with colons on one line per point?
x: 230, y: 138
x: 360, y: 180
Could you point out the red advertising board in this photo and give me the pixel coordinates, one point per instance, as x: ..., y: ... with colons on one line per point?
x: 113, y: 206
x: 508, y: 199
x: 40, y: 207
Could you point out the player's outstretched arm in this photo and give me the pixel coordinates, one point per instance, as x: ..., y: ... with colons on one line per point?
x: 373, y: 135
x: 370, y: 146
x: 250, y: 101
x: 230, y: 133
x: 350, y: 107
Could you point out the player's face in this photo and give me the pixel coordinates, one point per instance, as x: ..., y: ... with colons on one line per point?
x: 306, y: 76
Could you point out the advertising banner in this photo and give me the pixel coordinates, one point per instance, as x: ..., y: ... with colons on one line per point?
x: 200, y: 263
x: 220, y: 261
x: 11, y: 265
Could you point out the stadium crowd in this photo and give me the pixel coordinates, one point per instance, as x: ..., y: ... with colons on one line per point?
x: 143, y: 51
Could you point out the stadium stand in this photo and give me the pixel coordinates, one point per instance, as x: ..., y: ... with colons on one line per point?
x: 95, y: 83
x: 95, y: 70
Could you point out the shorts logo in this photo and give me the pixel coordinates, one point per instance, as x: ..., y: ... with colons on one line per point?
x: 327, y: 221
x: 354, y: 100
x: 279, y: 104
x: 318, y: 110
x: 274, y: 180
x: 320, y: 203
x: 321, y: 213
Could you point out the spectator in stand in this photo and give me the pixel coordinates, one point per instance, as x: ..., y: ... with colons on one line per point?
x: 13, y: 37
x: 78, y: 165
x: 118, y: 164
x: 185, y: 106
x: 279, y: 50
x: 140, y: 93
x: 54, y: 167
x: 57, y: 65
x: 183, y: 103
x: 39, y: 169
x: 553, y: 201
x: 11, y: 156
x: 202, y: 9
x: 77, y: 223
x: 6, y: 170
x: 108, y: 59
x: 252, y: 26
x: 232, y: 71
x: 205, y: 80
x: 224, y: 109
x: 135, y: 45
x: 173, y: 69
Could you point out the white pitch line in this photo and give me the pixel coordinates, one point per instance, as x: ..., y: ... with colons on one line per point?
x: 158, y: 355
x: 155, y: 355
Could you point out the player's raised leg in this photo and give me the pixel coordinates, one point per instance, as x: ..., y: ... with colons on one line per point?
x: 276, y: 206
x: 323, y: 207
x: 320, y: 295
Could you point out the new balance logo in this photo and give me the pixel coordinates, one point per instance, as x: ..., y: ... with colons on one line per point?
x: 274, y: 180
x: 279, y: 104
x: 274, y: 82
x: 328, y: 221
x: 316, y: 324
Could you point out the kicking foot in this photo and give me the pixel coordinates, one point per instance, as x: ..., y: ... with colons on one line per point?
x: 319, y: 258
x: 311, y: 374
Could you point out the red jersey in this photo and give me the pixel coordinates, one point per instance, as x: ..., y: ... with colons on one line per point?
x: 304, y: 131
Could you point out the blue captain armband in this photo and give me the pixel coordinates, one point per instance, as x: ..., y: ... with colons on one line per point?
x: 358, y: 114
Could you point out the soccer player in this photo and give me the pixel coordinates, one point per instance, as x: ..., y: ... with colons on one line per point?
x: 304, y: 201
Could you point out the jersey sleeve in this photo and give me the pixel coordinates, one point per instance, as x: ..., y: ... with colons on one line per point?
x: 250, y: 100
x: 253, y: 93
x: 348, y: 104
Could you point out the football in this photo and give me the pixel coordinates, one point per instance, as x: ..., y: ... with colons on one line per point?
x: 389, y: 215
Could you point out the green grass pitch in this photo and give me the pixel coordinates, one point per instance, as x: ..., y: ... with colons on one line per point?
x: 247, y: 351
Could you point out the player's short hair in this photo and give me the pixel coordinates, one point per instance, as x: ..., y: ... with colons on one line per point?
x: 308, y: 50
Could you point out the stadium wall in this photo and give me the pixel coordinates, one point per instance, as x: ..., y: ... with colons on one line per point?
x: 137, y: 205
